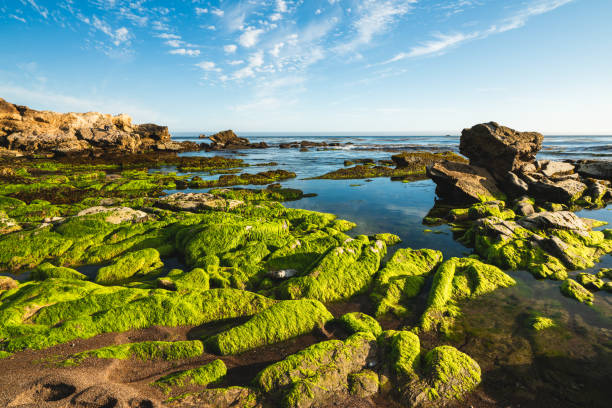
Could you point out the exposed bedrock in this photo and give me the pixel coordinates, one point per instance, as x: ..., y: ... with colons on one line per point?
x: 25, y: 131
x: 228, y: 140
x: 503, y: 164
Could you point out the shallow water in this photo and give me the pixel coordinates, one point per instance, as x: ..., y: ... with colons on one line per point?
x: 492, y: 329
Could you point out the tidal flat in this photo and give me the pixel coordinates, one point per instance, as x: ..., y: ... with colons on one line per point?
x: 252, y: 277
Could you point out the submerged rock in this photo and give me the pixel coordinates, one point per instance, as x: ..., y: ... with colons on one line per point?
x: 573, y: 289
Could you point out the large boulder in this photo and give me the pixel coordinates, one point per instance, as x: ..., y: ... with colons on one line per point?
x: 599, y: 169
x: 31, y: 132
x: 499, y: 148
x: 462, y: 182
x: 227, y: 139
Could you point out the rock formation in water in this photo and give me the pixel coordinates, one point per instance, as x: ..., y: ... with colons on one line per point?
x: 24, y: 131
x: 228, y: 140
x: 503, y: 165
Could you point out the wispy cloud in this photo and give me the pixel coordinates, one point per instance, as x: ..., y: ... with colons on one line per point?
x: 442, y: 42
x: 185, y: 51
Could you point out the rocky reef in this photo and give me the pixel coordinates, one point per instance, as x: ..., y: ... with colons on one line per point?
x: 503, y: 166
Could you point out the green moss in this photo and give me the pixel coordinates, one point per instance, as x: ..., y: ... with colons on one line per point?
x: 341, y: 273
x: 205, y: 375
x: 389, y: 239
x: 590, y: 281
x: 540, y: 323
x: 134, y: 263
x: 364, y: 383
x: 455, y: 280
x: 267, y: 194
x: 494, y: 209
x: 27, y: 249
x: 450, y: 373
x: 47, y: 270
x: 360, y: 322
x: 4, y: 354
x: 148, y: 350
x: 318, y: 371
x: 574, y: 290
x: 42, y: 314
x: 184, y: 281
x: 285, y: 320
x: 266, y: 177
x: 404, y: 353
x: 402, y: 278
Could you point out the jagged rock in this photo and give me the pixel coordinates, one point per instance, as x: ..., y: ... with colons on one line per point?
x: 463, y: 182
x: 29, y: 132
x: 554, y: 168
x: 514, y: 185
x: 116, y: 215
x: 565, y: 220
x: 564, y: 191
x: 227, y: 139
x: 600, y: 169
x: 524, y: 206
x: 196, y: 202
x: 499, y: 148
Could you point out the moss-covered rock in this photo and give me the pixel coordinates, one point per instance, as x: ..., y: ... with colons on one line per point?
x: 341, y: 273
x: 48, y: 270
x: 138, y: 262
x: 541, y: 323
x: 403, y: 278
x: 450, y: 373
x: 318, y: 372
x: 204, y: 375
x: 360, y: 322
x: 148, y: 350
x: 363, y: 384
x: 42, y: 314
x: 574, y: 290
x: 7, y: 283
x: 455, y: 280
x: 590, y: 281
x: 284, y: 320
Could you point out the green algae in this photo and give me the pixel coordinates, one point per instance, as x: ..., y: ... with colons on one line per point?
x: 403, y: 278
x: 574, y: 290
x: 282, y: 321
x: 205, y: 375
x: 450, y: 373
x: 148, y: 350
x: 318, y: 371
x: 47, y: 270
x: 541, y: 323
x: 363, y: 384
x: 360, y: 322
x: 455, y: 280
x: 140, y: 262
x: 265, y: 177
x: 343, y: 272
x: 404, y: 353
x: 42, y: 314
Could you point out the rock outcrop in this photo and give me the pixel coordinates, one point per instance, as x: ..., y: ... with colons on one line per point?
x: 228, y: 140
x: 503, y: 165
x: 24, y: 131
x: 499, y: 148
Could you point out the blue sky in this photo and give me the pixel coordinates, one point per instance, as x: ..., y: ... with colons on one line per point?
x: 410, y: 66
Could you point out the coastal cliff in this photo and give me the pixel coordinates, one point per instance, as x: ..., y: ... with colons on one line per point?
x: 26, y: 132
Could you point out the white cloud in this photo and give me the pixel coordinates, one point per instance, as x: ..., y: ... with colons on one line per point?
x: 184, y: 51
x: 281, y: 6
x: 375, y: 17
x: 40, y: 9
x: 236, y: 62
x: 174, y: 43
x: 23, y: 20
x: 217, y: 12
x: 208, y: 66
x: 277, y: 48
x: 167, y: 36
x: 200, y: 11
x: 250, y: 37
x: 230, y: 48
x: 443, y: 42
